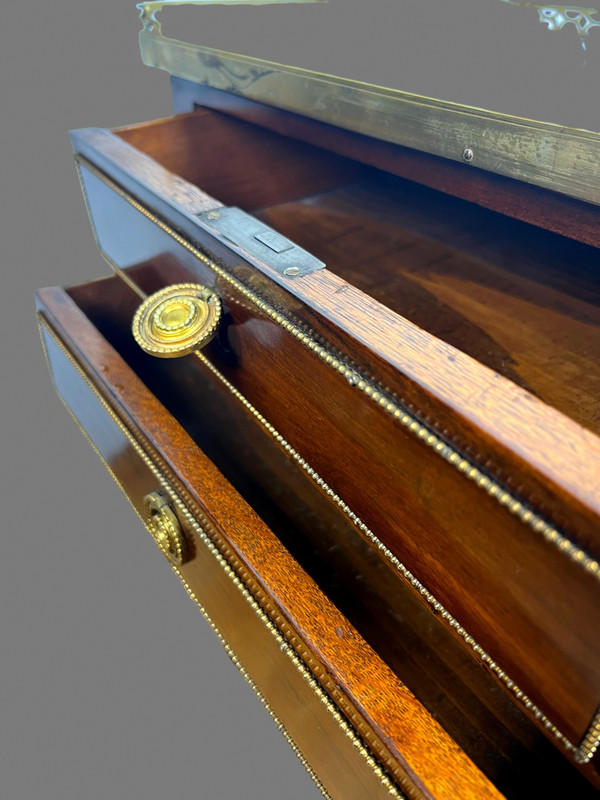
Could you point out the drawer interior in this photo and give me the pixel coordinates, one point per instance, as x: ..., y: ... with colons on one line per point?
x: 422, y: 652
x: 521, y: 300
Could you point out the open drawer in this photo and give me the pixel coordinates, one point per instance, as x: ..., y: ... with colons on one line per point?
x: 292, y: 645
x: 437, y: 381
x: 326, y: 634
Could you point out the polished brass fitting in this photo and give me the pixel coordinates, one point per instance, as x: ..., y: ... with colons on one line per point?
x: 177, y: 320
x: 164, y: 527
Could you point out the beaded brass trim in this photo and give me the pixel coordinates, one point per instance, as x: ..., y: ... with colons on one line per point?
x: 591, y: 740
x: 282, y: 640
x: 247, y: 677
x: 385, y: 401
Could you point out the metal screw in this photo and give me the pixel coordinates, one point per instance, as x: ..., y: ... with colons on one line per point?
x: 292, y: 271
x: 468, y: 154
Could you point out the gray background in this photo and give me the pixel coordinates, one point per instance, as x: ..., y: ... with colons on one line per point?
x: 94, y: 626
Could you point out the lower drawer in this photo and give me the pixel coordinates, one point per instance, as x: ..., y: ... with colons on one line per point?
x: 343, y: 701
x: 282, y: 633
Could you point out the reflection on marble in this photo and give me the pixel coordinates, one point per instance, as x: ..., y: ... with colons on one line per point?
x: 556, y: 17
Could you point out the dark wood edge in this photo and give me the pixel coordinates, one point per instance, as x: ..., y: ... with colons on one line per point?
x: 422, y: 751
x: 151, y: 179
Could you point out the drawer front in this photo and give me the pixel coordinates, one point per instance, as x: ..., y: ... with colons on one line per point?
x: 243, y: 581
x: 520, y: 595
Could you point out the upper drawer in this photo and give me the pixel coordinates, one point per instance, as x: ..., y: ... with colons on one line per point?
x: 402, y: 378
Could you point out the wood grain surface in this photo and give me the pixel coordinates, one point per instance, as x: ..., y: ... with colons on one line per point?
x: 522, y: 302
x: 243, y: 165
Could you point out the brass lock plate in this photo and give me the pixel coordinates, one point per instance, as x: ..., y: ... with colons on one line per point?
x: 255, y: 240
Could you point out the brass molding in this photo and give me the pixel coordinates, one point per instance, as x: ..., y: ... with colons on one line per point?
x: 177, y: 320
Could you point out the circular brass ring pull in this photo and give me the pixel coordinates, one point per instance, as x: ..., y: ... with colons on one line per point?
x: 177, y: 320
x: 165, y: 528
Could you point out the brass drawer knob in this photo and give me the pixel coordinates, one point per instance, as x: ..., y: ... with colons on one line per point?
x: 165, y: 528
x: 177, y: 320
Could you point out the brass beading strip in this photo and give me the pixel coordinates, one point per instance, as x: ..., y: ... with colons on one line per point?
x: 373, y: 391
x: 591, y: 740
